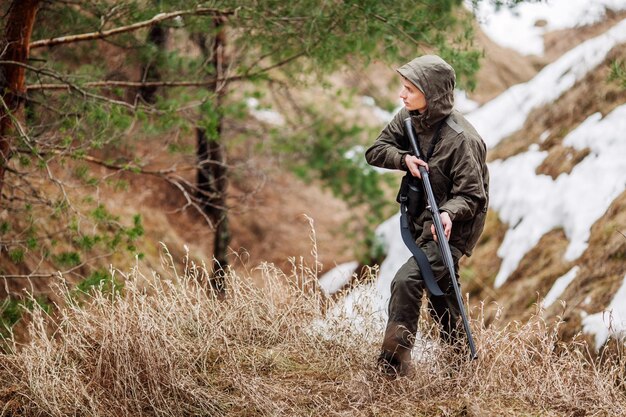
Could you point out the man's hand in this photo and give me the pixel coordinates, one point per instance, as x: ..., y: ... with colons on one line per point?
x: 412, y: 162
x: 446, y: 222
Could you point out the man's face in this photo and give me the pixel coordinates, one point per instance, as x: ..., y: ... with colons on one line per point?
x: 412, y: 97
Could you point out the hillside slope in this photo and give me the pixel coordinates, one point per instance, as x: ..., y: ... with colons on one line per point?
x: 554, y: 132
x: 558, y: 180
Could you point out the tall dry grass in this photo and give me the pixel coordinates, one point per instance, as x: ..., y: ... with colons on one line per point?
x: 167, y: 347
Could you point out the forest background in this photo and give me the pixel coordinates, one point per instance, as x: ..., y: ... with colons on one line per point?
x: 122, y: 120
x: 152, y: 135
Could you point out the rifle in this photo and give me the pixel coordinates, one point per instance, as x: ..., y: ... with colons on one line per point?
x: 444, y: 247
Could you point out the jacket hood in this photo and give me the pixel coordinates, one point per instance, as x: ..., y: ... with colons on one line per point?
x: 436, y: 79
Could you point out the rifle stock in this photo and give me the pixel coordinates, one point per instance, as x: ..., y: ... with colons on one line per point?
x: 444, y: 247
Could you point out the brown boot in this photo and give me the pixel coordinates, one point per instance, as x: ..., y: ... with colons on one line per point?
x: 394, y: 365
x: 395, y: 357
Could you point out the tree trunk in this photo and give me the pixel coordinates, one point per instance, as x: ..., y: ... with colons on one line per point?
x: 212, y: 173
x: 150, y: 71
x: 13, y: 47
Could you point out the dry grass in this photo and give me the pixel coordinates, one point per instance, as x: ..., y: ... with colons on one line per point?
x: 167, y: 347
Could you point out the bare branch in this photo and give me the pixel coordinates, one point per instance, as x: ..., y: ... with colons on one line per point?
x: 137, y: 84
x: 127, y: 84
x: 69, y: 85
x: 386, y: 21
x: 165, y: 174
x: 106, y: 33
x: 128, y: 167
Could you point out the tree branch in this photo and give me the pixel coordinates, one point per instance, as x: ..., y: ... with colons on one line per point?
x: 424, y: 45
x: 128, y: 84
x: 106, y: 33
x: 137, y: 84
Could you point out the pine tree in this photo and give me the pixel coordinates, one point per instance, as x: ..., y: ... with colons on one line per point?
x: 81, y: 110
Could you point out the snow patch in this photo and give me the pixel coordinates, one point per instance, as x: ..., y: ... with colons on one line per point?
x: 559, y: 286
x: 355, y: 153
x: 507, y: 113
x: 382, y: 115
x: 336, y: 278
x: 611, y: 322
x: 397, y: 254
x: 522, y: 28
x: 366, y: 305
x: 462, y: 103
x: 533, y: 204
x: 264, y: 115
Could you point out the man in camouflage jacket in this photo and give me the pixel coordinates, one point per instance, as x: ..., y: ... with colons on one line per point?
x: 460, y: 182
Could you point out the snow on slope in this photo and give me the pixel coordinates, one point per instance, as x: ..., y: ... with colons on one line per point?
x: 535, y: 204
x: 517, y: 28
x: 337, y: 278
x: 611, y: 322
x: 531, y: 204
x: 559, y: 286
x: 507, y: 113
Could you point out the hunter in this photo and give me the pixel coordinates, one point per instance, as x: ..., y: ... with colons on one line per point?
x: 454, y: 156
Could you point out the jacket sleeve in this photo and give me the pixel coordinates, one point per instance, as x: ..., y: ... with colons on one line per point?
x: 390, y: 146
x: 468, y: 194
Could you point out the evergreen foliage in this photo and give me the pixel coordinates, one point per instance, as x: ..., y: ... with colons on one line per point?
x: 12, y: 309
x: 86, y: 128
x: 618, y: 73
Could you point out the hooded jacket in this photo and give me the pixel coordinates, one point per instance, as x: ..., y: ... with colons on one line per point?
x: 457, y: 168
